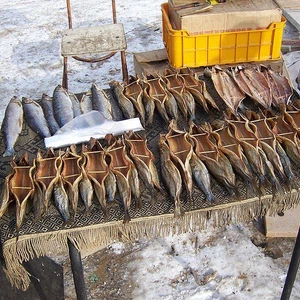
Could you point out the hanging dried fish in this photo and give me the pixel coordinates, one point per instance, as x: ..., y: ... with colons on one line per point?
x: 61, y: 200
x: 97, y: 170
x: 184, y: 98
x: 12, y: 124
x: 164, y: 101
x: 101, y: 102
x: 230, y: 146
x: 171, y: 175
x: 71, y: 174
x: 62, y: 106
x: 215, y: 161
x: 143, y: 159
x: 47, y: 106
x: 198, y: 89
x: 125, y: 172
x: 46, y: 176
x: 124, y: 103
x: 34, y: 116
x: 253, y: 83
x: 134, y: 92
x: 280, y: 86
x: 227, y: 88
x: 181, y: 151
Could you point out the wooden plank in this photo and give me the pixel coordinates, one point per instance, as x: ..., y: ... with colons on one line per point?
x: 283, y: 226
x: 92, y: 40
x: 293, y: 4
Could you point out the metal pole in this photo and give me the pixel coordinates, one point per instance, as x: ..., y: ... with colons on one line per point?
x: 77, y: 270
x: 292, y: 272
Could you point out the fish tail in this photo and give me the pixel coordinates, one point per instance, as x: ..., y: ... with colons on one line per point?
x: 127, y: 218
x: 8, y: 152
x: 252, y: 190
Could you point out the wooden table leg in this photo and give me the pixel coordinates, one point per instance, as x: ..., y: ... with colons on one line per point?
x: 292, y: 272
x: 77, y: 270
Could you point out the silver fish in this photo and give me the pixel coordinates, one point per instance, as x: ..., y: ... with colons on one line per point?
x: 110, y: 184
x: 47, y: 107
x: 86, y: 104
x: 86, y: 190
x: 124, y: 103
x: 12, y: 124
x: 34, y: 116
x: 76, y: 105
x: 61, y: 200
x: 62, y: 106
x: 101, y: 102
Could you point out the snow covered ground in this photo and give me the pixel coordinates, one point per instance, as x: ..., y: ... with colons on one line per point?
x: 225, y: 263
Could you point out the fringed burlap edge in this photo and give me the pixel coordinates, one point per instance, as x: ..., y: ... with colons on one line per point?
x: 54, y: 243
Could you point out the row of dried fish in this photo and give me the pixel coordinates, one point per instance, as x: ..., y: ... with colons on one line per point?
x: 53, y: 112
x: 262, y: 84
x: 97, y: 171
x: 258, y: 148
x: 168, y: 94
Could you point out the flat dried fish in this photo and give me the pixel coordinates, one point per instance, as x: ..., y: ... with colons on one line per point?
x: 61, y: 200
x: 71, y: 174
x: 280, y: 86
x: 12, y: 124
x: 171, y: 175
x: 227, y: 88
x: 124, y: 103
x: 253, y: 83
x: 75, y: 104
x: 86, y: 104
x: 62, y: 106
x: 181, y: 151
x: 34, y: 116
x: 143, y: 159
x: 101, y: 102
x: 47, y: 106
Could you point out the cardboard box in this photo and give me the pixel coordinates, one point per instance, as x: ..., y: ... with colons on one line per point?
x: 286, y: 225
x: 230, y: 16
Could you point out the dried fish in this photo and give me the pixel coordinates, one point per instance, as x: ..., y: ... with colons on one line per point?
x: 62, y: 106
x: 171, y: 175
x: 143, y: 159
x: 253, y: 83
x: 47, y: 106
x: 124, y: 103
x: 134, y: 92
x: 71, y: 174
x: 198, y: 89
x: 45, y: 177
x: 227, y: 88
x: 101, y: 102
x: 75, y: 104
x: 12, y: 124
x: 34, y: 116
x: 216, y: 162
x: 280, y: 86
x: 181, y: 151
x: 184, y: 98
x: 96, y: 169
x: 61, y: 200
x: 86, y: 104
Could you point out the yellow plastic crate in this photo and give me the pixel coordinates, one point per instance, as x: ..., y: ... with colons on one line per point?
x: 185, y: 50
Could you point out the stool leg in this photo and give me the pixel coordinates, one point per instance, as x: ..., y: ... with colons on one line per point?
x: 124, y: 67
x: 65, y: 74
x: 292, y: 272
x: 77, y: 270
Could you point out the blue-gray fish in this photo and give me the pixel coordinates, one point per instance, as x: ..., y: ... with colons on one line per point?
x: 86, y: 104
x: 62, y: 106
x: 76, y: 105
x: 47, y: 107
x: 101, y: 102
x: 61, y: 200
x: 34, y: 117
x: 12, y: 124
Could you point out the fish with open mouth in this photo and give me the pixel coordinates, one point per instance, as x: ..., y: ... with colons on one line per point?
x: 124, y: 103
x: 101, y: 102
x: 143, y: 159
x: 12, y: 124
x: 216, y: 162
x: 184, y: 98
x: 181, y: 151
x: 171, y: 175
x: 227, y: 88
x: 71, y: 174
x: 47, y: 173
x: 34, y: 116
x: 62, y: 106
x: 125, y: 172
x: 47, y: 106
